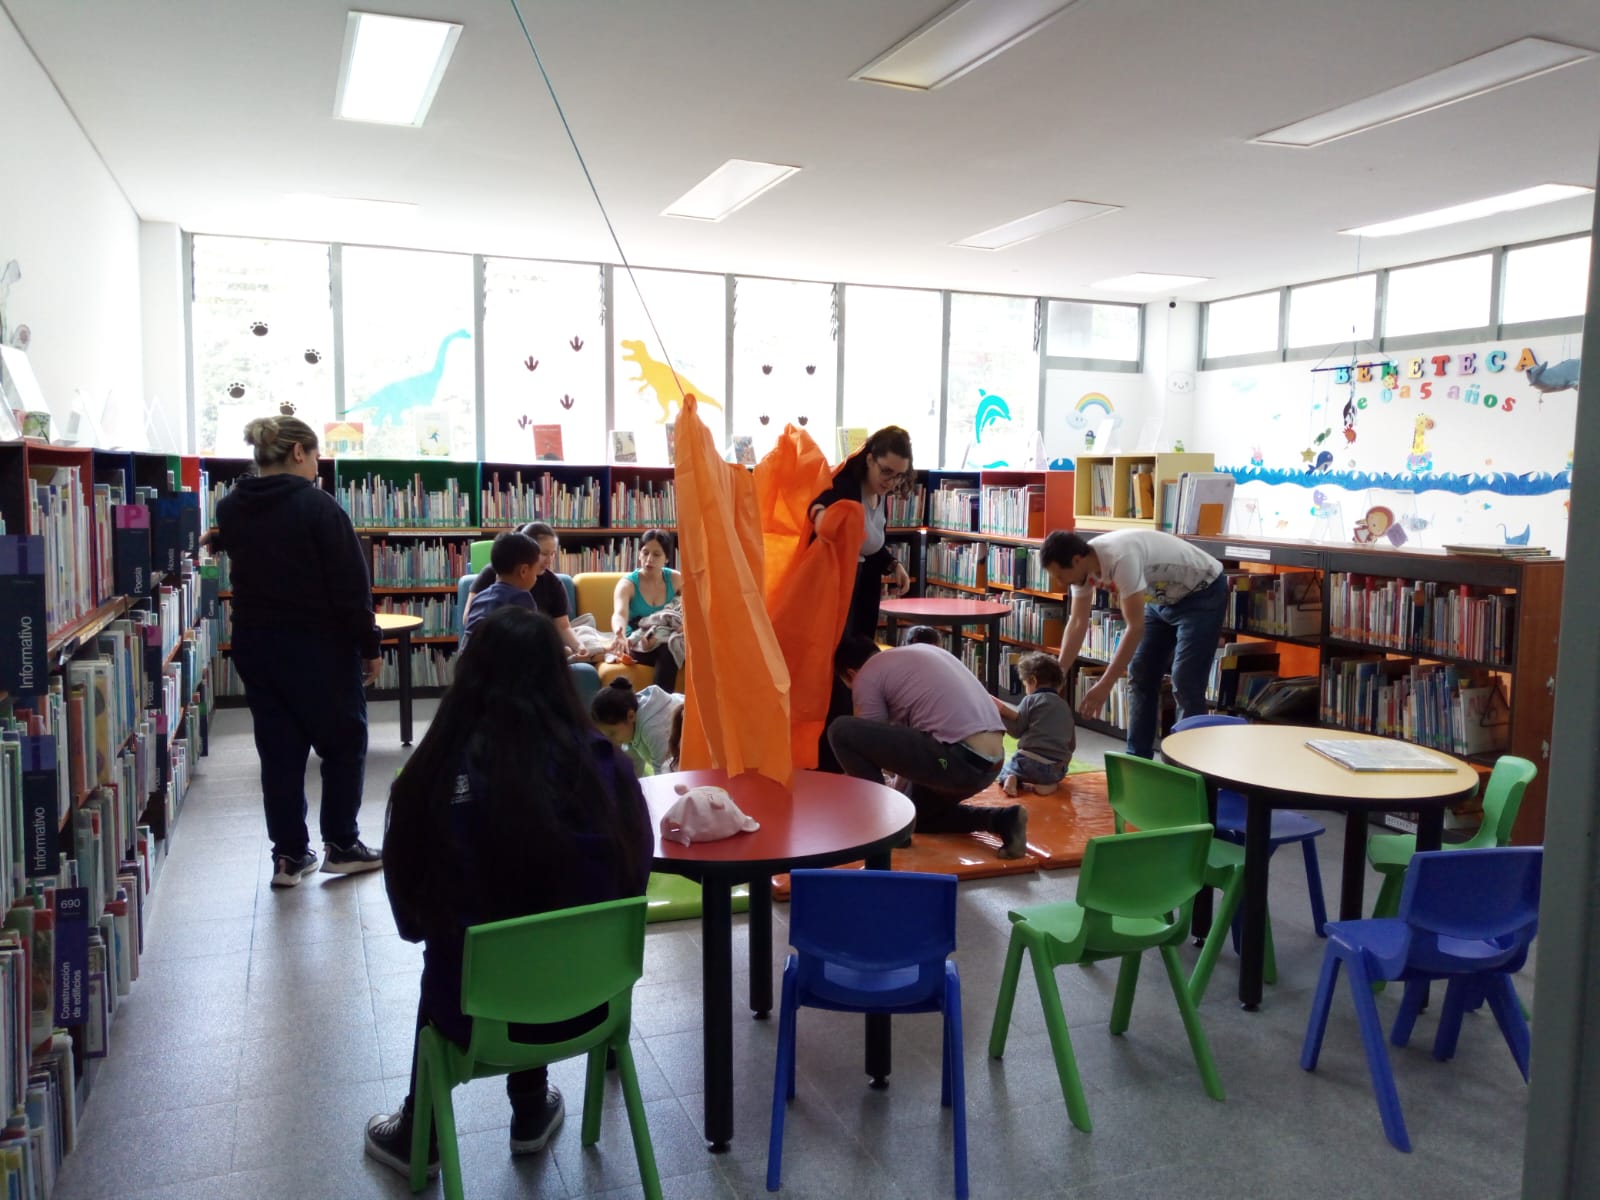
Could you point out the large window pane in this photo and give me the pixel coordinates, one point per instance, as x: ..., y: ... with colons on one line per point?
x: 262, y: 336
x: 409, y: 375
x: 1442, y: 295
x: 544, y: 358
x: 1082, y: 330
x: 1340, y: 310
x: 785, y: 360
x: 994, y: 381
x: 893, y: 342
x: 1546, y: 281
x: 690, y: 312
x: 1243, y: 325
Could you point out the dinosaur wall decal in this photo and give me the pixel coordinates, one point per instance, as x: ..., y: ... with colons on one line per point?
x: 669, y: 386
x: 393, y: 400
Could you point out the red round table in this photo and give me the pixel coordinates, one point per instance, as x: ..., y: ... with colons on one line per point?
x: 820, y: 820
x: 939, y: 610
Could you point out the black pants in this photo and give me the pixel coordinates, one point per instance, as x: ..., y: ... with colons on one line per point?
x: 305, y: 692
x: 525, y: 1089
x: 942, y: 774
x: 661, y: 658
x: 863, y: 620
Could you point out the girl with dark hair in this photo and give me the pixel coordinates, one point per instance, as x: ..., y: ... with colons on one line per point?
x: 647, y: 724
x: 510, y: 805
x: 649, y: 589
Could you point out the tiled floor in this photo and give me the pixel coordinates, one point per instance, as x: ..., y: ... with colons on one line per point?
x: 267, y: 1027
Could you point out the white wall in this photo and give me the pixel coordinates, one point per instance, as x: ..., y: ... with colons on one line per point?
x: 76, y: 238
x: 166, y: 380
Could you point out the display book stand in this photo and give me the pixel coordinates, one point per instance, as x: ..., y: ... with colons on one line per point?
x: 105, y: 707
x: 418, y: 518
x: 1505, y: 634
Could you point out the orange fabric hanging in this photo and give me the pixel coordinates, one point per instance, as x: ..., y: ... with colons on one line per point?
x: 736, y: 710
x: 787, y: 479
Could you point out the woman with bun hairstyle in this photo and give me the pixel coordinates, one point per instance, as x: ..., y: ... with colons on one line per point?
x: 304, y: 643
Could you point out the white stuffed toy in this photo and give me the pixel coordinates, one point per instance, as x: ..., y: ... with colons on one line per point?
x: 703, y: 814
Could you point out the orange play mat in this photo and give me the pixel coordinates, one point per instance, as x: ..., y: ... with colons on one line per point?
x: 1059, y: 826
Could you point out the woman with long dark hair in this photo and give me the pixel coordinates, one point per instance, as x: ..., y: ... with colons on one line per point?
x: 511, y: 805
x: 644, y: 591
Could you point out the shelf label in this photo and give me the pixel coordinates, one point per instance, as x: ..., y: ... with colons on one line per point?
x: 1258, y: 553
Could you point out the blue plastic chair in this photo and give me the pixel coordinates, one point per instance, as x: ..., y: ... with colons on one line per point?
x: 1287, y: 826
x: 464, y: 589
x: 1466, y: 917
x: 871, y: 942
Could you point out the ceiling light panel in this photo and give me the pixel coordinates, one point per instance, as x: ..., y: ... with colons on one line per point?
x: 1545, y: 193
x: 1046, y: 220
x: 1150, y: 281
x: 392, y: 67
x: 964, y: 36
x: 727, y: 189
x: 1510, y: 64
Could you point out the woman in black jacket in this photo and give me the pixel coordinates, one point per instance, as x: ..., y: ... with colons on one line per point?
x: 304, y: 643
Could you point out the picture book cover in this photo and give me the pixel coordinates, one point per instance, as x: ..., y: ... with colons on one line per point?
x: 744, y: 450
x: 547, y: 443
x: 344, y: 439
x: 672, y: 443
x: 849, y: 439
x: 433, y: 433
x: 623, y: 449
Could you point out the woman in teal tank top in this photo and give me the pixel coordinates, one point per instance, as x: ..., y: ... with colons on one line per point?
x: 644, y: 591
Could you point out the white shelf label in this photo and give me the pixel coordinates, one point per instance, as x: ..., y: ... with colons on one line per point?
x: 1259, y: 553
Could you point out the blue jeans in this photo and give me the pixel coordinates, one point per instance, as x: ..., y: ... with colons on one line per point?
x: 1180, y: 638
x: 1033, y: 770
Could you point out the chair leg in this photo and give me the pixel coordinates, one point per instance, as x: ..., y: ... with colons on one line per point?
x: 1127, y: 982
x: 1317, y: 1024
x: 1460, y: 994
x: 782, y: 1081
x: 1269, y: 952
x: 421, y: 1115
x: 1507, y: 1009
x: 1055, y: 1021
x: 1410, y: 1005
x: 1191, y: 1024
x: 443, y: 1115
x: 1319, y: 905
x: 1388, y: 902
x: 1394, y: 1122
x: 594, y: 1091
x: 1007, y: 996
x: 643, y: 1149
x: 957, y: 1077
x: 1224, y: 924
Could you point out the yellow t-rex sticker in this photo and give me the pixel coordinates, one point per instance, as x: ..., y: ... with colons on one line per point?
x: 668, y: 385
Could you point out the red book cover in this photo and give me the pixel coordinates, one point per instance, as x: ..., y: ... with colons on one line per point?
x: 547, y: 443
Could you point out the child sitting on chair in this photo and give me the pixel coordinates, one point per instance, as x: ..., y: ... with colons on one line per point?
x: 649, y: 723
x: 514, y: 559
x: 1043, y: 727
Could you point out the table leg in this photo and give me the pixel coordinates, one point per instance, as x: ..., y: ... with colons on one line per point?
x: 1430, y: 829
x: 405, y: 687
x: 879, y: 1040
x: 1355, y: 865
x: 761, y: 947
x: 993, y: 656
x: 1257, y: 836
x: 716, y: 981
x: 891, y: 625
x: 1200, y: 921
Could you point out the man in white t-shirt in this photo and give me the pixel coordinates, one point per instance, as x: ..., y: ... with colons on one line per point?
x: 1173, y: 597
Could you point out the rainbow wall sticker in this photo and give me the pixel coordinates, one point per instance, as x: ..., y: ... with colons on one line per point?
x: 1089, y: 405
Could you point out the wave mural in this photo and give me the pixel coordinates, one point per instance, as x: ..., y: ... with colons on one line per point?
x: 1533, y: 483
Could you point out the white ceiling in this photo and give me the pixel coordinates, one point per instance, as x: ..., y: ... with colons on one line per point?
x: 209, y: 111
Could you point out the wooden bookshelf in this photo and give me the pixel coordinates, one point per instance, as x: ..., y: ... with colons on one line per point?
x: 1098, y: 474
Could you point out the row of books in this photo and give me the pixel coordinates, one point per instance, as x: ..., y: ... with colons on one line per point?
x: 541, y: 497
x: 617, y: 554
x: 648, y: 503
x: 958, y: 562
x: 974, y: 656
x: 438, y: 613
x: 1240, y: 672
x: 1422, y: 617
x: 954, y: 506
x: 1102, y: 490
x: 905, y: 512
x: 59, y: 514
x: 419, y: 563
x: 430, y: 668
x: 1104, y: 635
x: 1039, y: 622
x: 378, y: 503
x: 1013, y: 511
x: 1141, y: 492
x: 1288, y: 604
x: 1018, y: 567
x: 1116, y: 709
x: 1432, y: 704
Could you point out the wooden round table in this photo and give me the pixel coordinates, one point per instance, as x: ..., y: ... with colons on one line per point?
x: 820, y: 820
x: 1274, y: 768
x: 940, y: 610
x: 400, y: 626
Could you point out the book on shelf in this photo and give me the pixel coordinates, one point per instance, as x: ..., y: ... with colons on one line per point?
x: 623, y: 447
x: 742, y: 450
x: 1142, y: 491
x: 1360, y: 754
x: 547, y: 443
x: 1205, y: 499
x: 24, y: 671
x: 848, y: 439
x: 1167, y: 519
x: 1497, y: 551
x: 1101, y: 484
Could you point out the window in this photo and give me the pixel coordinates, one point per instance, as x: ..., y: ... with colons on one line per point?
x: 1453, y: 294
x: 544, y: 359
x: 992, y: 415
x: 785, y: 360
x: 690, y: 312
x: 262, y: 335
x: 409, y: 375
x: 1546, y: 281
x: 1099, y: 331
x: 1336, y: 312
x: 1244, y: 325
x: 893, y: 339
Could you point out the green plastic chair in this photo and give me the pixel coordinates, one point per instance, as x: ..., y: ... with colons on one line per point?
x: 538, y: 970
x: 478, y: 555
x: 1152, y: 795
x: 1391, y: 853
x: 1135, y: 893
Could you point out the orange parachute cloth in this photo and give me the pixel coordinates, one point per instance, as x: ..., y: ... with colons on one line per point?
x: 809, y: 582
x: 736, y: 709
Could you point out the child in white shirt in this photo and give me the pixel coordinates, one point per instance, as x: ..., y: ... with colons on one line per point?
x: 648, y: 724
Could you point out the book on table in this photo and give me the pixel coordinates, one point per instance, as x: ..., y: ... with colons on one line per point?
x: 1361, y: 754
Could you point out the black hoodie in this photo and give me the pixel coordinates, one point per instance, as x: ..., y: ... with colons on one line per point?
x: 295, y: 560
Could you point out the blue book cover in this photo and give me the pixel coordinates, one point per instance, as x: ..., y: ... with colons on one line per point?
x: 72, y: 955
x: 40, y: 801
x: 24, y: 671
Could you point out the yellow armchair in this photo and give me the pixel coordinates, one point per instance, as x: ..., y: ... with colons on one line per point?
x: 597, y: 592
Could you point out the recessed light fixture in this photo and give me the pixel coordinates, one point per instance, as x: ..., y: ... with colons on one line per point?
x: 1545, y: 193
x: 1510, y: 64
x: 392, y: 67
x: 964, y: 36
x: 1046, y: 220
x: 349, y: 208
x: 727, y: 189
x: 1149, y: 281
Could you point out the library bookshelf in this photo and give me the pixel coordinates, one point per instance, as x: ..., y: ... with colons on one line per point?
x: 1132, y: 491
x: 1429, y: 626
x: 106, y: 700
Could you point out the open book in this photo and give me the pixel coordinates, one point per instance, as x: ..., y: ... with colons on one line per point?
x: 1364, y: 755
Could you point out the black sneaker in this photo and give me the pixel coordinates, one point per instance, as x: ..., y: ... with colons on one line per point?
x: 389, y: 1142
x: 351, y: 859
x: 288, y: 871
x: 531, y: 1132
x: 1015, y: 844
